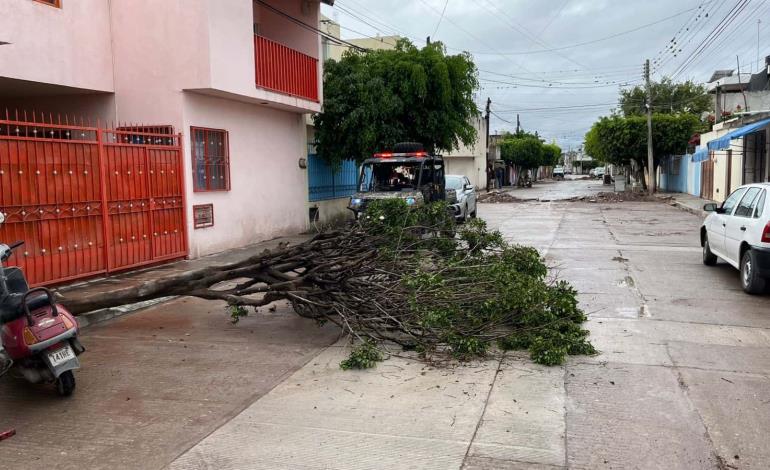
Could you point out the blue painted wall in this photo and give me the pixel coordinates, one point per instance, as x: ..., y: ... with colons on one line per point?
x: 324, y: 182
x: 679, y: 174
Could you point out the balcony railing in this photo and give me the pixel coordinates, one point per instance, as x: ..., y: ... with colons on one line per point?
x: 284, y: 70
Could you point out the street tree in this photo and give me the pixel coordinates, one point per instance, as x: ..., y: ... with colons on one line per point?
x: 527, y: 152
x: 620, y: 140
x: 375, y: 99
x: 667, y: 98
x: 552, y: 155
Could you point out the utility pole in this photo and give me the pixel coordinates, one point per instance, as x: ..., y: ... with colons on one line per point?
x: 518, y: 124
x: 759, y: 64
x: 740, y: 85
x: 486, y: 118
x: 650, y: 159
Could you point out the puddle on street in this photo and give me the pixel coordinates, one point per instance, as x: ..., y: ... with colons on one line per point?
x: 627, y: 281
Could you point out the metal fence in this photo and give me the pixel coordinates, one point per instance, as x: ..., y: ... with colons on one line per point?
x: 326, y: 182
x: 282, y: 69
x: 88, y: 200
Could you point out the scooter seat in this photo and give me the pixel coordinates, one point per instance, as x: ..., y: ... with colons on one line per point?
x: 13, y: 309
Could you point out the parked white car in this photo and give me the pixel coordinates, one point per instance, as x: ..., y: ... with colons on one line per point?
x: 738, y: 231
x: 466, y: 195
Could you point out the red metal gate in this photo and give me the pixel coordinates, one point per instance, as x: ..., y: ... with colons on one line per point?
x: 90, y: 201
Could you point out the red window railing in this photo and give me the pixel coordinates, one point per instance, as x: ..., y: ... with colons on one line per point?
x: 284, y: 70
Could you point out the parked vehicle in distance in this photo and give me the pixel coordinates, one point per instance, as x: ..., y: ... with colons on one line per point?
x: 738, y: 231
x: 466, y: 195
x: 409, y: 173
x: 558, y: 173
x: 568, y: 171
x: 592, y: 173
x: 599, y: 172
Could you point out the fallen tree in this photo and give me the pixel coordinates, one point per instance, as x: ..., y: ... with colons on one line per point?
x: 400, y: 275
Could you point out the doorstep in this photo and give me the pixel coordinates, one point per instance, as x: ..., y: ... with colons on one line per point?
x: 129, y: 280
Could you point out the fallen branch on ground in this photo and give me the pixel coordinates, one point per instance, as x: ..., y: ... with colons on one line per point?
x: 401, y: 275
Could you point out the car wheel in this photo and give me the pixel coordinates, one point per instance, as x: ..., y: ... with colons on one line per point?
x: 751, y: 282
x: 709, y: 258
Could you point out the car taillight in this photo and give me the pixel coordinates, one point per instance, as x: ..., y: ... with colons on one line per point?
x: 766, y: 234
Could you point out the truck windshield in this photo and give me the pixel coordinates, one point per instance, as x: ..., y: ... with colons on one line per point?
x: 389, y: 176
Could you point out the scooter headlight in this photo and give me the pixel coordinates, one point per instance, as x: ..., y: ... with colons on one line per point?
x: 410, y: 201
x: 355, y: 201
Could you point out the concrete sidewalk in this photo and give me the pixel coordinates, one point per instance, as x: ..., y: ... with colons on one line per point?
x: 121, y: 282
x: 687, y: 202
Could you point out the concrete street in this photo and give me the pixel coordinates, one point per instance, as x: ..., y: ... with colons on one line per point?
x: 681, y: 380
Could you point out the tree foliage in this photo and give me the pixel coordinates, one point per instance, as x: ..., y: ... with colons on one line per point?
x: 528, y: 151
x: 618, y: 140
x: 375, y: 99
x: 552, y: 155
x: 667, y: 98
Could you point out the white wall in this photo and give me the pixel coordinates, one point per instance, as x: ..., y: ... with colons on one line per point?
x: 68, y: 46
x: 471, y: 160
x: 269, y: 191
x: 756, y: 100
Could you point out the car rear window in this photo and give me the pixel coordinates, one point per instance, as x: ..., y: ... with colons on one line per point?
x: 747, y: 204
x: 760, y: 204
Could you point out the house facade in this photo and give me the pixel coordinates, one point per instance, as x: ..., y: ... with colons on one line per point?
x: 737, y: 149
x: 228, y: 81
x: 733, y: 153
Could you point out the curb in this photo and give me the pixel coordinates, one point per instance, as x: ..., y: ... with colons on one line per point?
x: 686, y: 208
x: 100, y: 316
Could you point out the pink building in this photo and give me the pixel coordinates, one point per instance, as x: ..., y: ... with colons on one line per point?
x: 234, y: 77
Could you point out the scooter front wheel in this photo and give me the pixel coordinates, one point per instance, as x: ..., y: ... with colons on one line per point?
x: 65, y: 384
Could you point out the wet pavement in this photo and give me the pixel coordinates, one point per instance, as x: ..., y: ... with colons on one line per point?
x: 681, y: 381
x: 152, y: 384
x: 551, y: 190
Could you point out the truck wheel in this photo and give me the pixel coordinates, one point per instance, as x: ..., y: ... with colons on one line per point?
x: 751, y: 282
x: 65, y: 384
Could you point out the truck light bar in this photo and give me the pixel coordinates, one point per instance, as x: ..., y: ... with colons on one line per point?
x: 407, y: 154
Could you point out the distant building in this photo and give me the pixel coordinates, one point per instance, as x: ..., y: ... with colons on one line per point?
x: 736, y: 93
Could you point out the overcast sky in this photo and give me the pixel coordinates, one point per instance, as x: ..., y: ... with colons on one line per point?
x: 561, y: 92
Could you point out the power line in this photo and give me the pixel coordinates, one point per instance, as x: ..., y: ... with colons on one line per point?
x: 443, y: 12
x: 307, y: 26
x: 713, y: 35
x: 739, y: 28
x: 553, y: 18
x: 561, y: 87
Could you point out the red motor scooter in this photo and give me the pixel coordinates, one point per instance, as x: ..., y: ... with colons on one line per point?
x: 39, y: 336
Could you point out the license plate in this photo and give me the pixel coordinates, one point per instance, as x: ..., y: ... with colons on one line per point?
x: 60, y: 356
